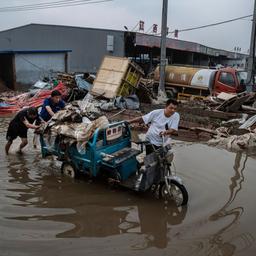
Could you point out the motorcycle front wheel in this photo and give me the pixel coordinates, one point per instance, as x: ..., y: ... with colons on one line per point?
x: 178, y: 193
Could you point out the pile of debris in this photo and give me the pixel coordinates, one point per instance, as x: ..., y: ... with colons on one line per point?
x: 79, y: 119
x: 232, y: 131
x: 67, y: 79
x: 115, y: 87
x: 74, y: 88
x: 79, y: 84
x: 119, y: 92
x: 76, y: 123
x: 12, y: 104
x: 9, y: 94
x: 200, y: 119
x: 244, y: 142
x: 233, y: 103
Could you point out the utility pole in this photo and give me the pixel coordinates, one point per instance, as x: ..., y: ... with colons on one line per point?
x: 251, y: 62
x: 161, y: 88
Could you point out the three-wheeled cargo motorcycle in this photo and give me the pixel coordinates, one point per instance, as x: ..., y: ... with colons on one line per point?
x: 109, y: 153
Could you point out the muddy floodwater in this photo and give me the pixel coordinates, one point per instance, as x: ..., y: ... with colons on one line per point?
x: 45, y: 213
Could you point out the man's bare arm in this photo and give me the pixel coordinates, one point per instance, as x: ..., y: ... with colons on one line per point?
x: 169, y: 132
x: 49, y: 110
x: 135, y: 120
x: 29, y: 125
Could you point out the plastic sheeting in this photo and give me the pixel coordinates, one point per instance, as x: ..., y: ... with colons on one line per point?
x: 129, y: 102
x: 89, y: 107
x: 29, y: 99
x: 82, y: 84
x: 4, y: 104
x: 41, y: 85
x: 250, y: 122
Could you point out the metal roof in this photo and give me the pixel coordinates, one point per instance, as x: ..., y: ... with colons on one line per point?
x: 155, y: 41
x: 147, y: 40
x: 61, y: 26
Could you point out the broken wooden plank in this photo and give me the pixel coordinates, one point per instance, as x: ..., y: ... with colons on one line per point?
x: 200, y: 112
x: 226, y: 96
x: 201, y: 129
x: 238, y: 103
x: 234, y: 103
x: 249, y: 108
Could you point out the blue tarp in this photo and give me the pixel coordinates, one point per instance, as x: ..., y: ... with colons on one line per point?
x: 129, y: 102
x: 82, y: 84
x: 3, y: 104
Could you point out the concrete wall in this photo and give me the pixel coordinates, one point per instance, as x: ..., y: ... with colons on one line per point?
x: 34, y: 66
x: 88, y: 45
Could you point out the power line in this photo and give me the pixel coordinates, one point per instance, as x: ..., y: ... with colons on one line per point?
x: 42, y: 4
x: 51, y: 4
x: 208, y: 25
x: 47, y: 5
x: 211, y: 25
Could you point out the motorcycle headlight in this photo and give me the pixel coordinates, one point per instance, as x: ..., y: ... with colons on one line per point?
x: 169, y: 156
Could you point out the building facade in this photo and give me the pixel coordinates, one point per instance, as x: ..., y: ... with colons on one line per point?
x: 29, y: 52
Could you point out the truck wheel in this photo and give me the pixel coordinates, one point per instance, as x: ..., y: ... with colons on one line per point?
x: 178, y: 193
x: 69, y: 171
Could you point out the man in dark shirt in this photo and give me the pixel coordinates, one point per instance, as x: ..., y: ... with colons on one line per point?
x: 19, y: 126
x: 51, y: 106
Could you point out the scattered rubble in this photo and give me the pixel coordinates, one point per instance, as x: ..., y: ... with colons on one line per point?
x: 251, y: 122
x: 119, y: 92
x: 235, y: 103
x: 13, y: 104
x: 235, y: 143
x: 76, y: 123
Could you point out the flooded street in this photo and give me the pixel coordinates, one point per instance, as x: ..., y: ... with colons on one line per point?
x: 45, y: 213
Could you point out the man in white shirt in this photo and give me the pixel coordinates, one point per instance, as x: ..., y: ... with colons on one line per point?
x: 163, y: 122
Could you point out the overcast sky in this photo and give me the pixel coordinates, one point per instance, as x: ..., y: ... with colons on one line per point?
x: 119, y: 13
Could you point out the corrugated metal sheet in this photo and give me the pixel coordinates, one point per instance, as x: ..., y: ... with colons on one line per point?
x: 155, y: 41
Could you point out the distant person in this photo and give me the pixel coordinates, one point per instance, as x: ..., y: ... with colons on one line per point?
x: 52, y: 105
x: 242, y: 86
x: 19, y: 126
x: 210, y: 64
x: 163, y: 122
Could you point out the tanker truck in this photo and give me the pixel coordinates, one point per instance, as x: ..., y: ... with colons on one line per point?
x: 186, y: 82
